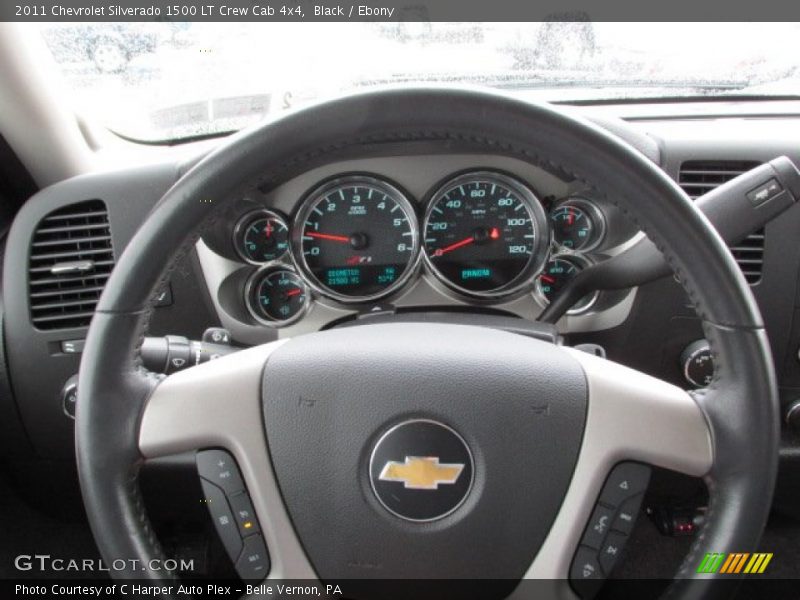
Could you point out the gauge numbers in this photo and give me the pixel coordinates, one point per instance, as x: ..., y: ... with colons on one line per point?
x: 557, y: 273
x: 276, y: 296
x: 484, y: 235
x: 261, y: 236
x: 356, y: 239
x: 577, y: 225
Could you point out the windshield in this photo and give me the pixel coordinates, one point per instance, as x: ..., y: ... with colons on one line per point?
x: 166, y: 81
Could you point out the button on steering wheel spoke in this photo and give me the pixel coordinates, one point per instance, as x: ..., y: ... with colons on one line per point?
x: 631, y: 417
x: 218, y: 405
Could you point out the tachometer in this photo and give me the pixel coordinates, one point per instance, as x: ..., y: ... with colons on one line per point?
x: 356, y: 239
x: 485, y: 234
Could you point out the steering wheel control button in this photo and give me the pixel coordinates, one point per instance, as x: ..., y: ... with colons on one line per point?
x: 253, y: 563
x: 598, y: 526
x: 421, y: 470
x: 626, y: 515
x: 607, y: 531
x: 223, y: 518
x: 586, y: 575
x: 232, y: 513
x: 611, y: 551
x: 219, y: 468
x: 626, y: 480
x: 244, y: 514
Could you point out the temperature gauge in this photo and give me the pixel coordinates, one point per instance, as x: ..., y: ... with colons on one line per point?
x: 261, y: 236
x: 577, y: 225
x: 276, y: 297
x: 559, y: 271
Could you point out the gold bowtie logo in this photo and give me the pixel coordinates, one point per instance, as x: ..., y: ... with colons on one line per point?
x: 421, y: 472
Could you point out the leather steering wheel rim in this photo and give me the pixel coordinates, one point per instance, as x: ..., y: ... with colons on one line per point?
x: 740, y: 406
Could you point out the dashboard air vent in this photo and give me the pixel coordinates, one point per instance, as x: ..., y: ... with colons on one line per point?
x: 70, y: 261
x: 697, y: 177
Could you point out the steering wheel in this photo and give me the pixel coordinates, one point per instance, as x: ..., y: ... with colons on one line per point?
x: 539, y: 427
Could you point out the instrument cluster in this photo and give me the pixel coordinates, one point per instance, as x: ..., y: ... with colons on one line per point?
x: 483, y: 235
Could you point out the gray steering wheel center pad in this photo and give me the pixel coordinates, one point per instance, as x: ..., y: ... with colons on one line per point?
x: 114, y: 387
x: 518, y: 403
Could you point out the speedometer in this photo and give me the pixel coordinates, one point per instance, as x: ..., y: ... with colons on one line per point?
x: 485, y: 234
x: 356, y: 239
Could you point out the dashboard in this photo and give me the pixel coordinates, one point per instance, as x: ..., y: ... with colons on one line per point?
x: 382, y: 233
x: 450, y: 232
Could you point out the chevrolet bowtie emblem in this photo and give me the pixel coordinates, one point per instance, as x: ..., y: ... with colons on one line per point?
x: 421, y: 472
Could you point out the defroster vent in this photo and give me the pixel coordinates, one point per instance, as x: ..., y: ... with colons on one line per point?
x: 70, y: 261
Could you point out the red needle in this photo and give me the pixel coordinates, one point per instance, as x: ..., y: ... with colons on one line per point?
x: 294, y: 292
x: 269, y: 228
x: 464, y: 242
x: 571, y: 216
x: 327, y: 236
x: 547, y: 278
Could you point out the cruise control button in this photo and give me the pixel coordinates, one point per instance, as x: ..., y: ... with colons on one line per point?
x: 766, y: 191
x: 612, y: 550
x: 585, y: 575
x: 626, y: 516
x: 244, y: 514
x: 626, y: 480
x: 218, y: 467
x: 598, y: 526
x: 223, y: 519
x: 254, y: 560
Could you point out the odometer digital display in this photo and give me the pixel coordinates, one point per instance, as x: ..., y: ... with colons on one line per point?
x: 356, y: 238
x: 485, y: 234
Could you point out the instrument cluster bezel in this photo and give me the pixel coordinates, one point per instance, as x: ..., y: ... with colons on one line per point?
x: 420, y: 265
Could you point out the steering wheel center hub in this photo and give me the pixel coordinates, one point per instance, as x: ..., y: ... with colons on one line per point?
x: 421, y: 470
x: 403, y: 443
